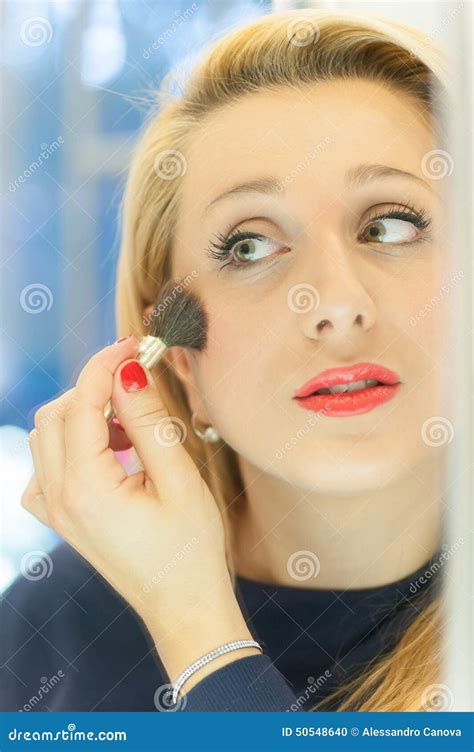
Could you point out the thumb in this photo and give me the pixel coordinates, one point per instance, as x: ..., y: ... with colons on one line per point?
x: 156, y: 435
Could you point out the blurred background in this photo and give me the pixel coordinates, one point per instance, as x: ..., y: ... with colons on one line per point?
x: 74, y: 77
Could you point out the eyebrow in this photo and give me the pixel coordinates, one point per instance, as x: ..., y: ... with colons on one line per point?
x: 355, y: 178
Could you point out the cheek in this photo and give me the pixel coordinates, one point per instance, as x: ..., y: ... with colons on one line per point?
x: 425, y: 308
x: 232, y: 367
x: 235, y: 332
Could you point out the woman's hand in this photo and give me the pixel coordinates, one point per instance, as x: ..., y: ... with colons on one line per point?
x: 157, y: 535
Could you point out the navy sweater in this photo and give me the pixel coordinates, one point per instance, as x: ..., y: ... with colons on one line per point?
x: 71, y: 643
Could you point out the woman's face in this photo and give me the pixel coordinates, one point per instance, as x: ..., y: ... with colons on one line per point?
x: 325, y: 285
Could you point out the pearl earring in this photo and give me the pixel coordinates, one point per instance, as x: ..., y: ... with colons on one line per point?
x: 209, y: 434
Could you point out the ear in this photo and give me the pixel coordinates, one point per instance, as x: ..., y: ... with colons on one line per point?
x: 179, y: 360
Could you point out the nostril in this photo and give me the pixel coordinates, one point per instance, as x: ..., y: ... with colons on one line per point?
x: 322, y: 324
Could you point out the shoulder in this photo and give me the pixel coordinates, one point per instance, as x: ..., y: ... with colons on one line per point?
x: 70, y: 642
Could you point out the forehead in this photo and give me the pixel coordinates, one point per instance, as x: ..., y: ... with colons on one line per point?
x: 314, y: 134
x: 274, y: 132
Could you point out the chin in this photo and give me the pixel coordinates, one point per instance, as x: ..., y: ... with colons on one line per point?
x: 354, y: 476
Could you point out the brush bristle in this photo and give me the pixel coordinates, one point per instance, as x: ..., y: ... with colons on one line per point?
x: 178, y: 318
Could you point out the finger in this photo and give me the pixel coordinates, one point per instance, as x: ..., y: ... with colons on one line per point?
x: 33, y: 441
x: 89, y: 457
x: 33, y: 500
x: 49, y: 444
x: 156, y: 436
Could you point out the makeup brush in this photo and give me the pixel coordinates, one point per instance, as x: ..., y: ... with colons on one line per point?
x: 178, y: 319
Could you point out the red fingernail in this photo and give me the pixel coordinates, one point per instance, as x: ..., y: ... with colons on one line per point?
x: 133, y: 376
x: 121, y: 339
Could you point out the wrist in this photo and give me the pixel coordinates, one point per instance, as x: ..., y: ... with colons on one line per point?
x: 196, y: 632
x: 216, y: 663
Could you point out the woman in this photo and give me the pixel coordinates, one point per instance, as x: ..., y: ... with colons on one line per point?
x: 309, y: 526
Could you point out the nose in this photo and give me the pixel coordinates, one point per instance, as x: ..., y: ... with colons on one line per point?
x: 337, y: 308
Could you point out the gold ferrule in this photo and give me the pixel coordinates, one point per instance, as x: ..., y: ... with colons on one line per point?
x: 149, y: 350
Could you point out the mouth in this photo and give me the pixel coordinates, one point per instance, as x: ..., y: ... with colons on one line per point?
x: 352, y: 386
x: 349, y: 391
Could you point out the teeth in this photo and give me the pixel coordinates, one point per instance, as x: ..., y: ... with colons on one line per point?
x: 352, y: 387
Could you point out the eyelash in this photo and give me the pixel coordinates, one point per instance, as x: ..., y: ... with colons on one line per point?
x: 223, y: 248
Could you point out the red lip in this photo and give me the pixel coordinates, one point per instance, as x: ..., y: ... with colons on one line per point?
x: 349, y: 403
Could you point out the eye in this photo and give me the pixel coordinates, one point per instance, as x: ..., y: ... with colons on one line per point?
x: 243, y: 248
x: 396, y: 226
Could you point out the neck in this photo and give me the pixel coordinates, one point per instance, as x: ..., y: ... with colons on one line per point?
x: 359, y: 541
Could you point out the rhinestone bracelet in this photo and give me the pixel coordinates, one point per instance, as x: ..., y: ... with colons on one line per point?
x: 235, y: 645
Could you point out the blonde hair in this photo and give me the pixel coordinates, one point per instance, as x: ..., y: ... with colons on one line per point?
x: 295, y: 49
